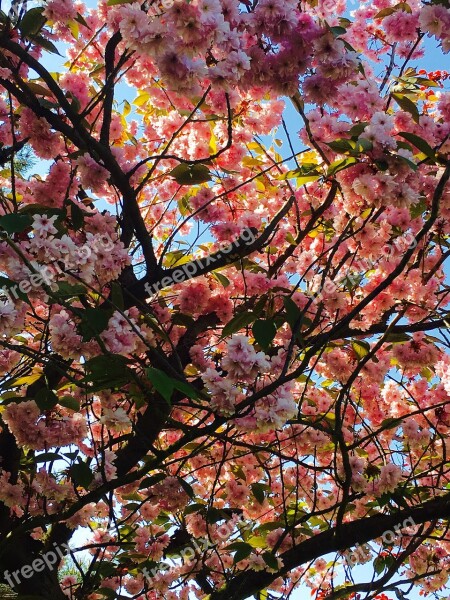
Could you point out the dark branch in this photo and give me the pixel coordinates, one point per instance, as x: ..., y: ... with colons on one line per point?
x: 357, y: 532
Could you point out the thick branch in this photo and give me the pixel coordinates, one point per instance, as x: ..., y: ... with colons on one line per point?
x: 78, y: 135
x: 109, y: 86
x: 357, y: 532
x: 201, y: 266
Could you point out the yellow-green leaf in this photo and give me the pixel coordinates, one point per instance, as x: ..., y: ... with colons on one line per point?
x: 407, y: 105
x: 419, y: 143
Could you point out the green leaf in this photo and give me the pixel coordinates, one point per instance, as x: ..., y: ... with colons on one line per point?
x: 185, y: 174
x: 221, y: 278
x: 77, y: 216
x: 390, y: 423
x: 41, y: 209
x: 74, y: 28
x: 185, y: 388
x: 383, y: 165
x: 194, y: 508
x: 407, y: 105
x: 46, y: 399
x: 270, y: 526
x: 238, y: 322
x: 116, y: 2
x: 106, y: 569
x: 361, y: 349
x: 364, y: 145
x: 303, y: 179
x: 408, y: 162
x: 107, y: 372
x: 214, y: 515
x: 162, y: 383
x: 186, y: 487
x: 306, y: 173
x: 47, y: 457
x: 69, y: 290
x: 426, y: 82
x: 270, y: 560
x: 117, y: 296
x: 184, y: 320
x: 357, y: 129
x: 353, y: 147
x: 15, y: 223
x: 38, y: 89
x: 379, y: 565
x: 243, y: 550
x: 152, y: 480
x: 404, y: 6
x: 416, y: 210
x: 93, y: 322
x: 419, y: 143
x: 81, y: 20
x: 45, y: 43
x: 175, y: 258
x: 258, y: 491
x: 341, y: 145
x: 339, y: 165
x: 184, y: 206
x: 337, y: 31
x: 397, y: 338
x: 81, y: 474
x: 69, y: 402
x: 350, y: 48
x: 307, y: 168
x: 257, y: 541
x: 427, y: 373
x: 264, y: 330
x: 390, y: 560
x: 32, y: 22
x: 293, y: 313
x: 390, y: 10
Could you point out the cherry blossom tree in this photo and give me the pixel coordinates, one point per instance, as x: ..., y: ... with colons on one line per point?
x: 223, y: 329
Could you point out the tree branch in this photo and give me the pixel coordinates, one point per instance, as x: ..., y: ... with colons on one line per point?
x: 357, y: 532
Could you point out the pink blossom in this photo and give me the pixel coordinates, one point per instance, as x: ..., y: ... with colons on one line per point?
x: 242, y: 361
x: 390, y: 477
x: 39, y: 432
x: 401, y: 26
x: 43, y: 224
